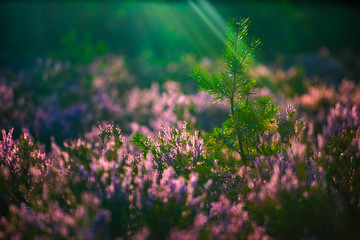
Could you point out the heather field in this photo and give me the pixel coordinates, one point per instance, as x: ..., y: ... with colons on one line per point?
x: 145, y: 142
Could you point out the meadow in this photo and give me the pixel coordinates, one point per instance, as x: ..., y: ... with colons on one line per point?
x: 116, y: 146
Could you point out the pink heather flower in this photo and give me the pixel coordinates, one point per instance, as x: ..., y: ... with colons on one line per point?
x: 200, y: 220
x: 167, y: 175
x: 142, y: 234
x: 290, y: 110
x: 208, y: 184
x: 127, y: 177
x: 297, y: 150
x: 180, y: 187
x: 320, y: 141
x: 315, y: 94
x: 176, y: 234
x: 192, y: 183
x: 6, y: 97
x: 218, y: 208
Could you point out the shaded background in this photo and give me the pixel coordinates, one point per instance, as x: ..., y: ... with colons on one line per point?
x: 81, y: 30
x: 66, y: 65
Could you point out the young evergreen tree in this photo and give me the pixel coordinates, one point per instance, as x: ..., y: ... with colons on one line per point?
x: 250, y: 115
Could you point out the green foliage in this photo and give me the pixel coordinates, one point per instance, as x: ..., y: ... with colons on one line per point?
x: 139, y: 141
x: 251, y: 115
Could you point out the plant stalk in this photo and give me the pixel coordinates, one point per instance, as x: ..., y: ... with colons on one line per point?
x: 239, y: 135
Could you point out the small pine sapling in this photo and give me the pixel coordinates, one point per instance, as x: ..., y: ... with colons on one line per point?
x: 251, y: 115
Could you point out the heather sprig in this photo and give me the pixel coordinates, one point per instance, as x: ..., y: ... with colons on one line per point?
x: 183, y: 151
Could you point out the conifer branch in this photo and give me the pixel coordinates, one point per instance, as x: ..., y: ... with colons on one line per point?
x: 249, y: 115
